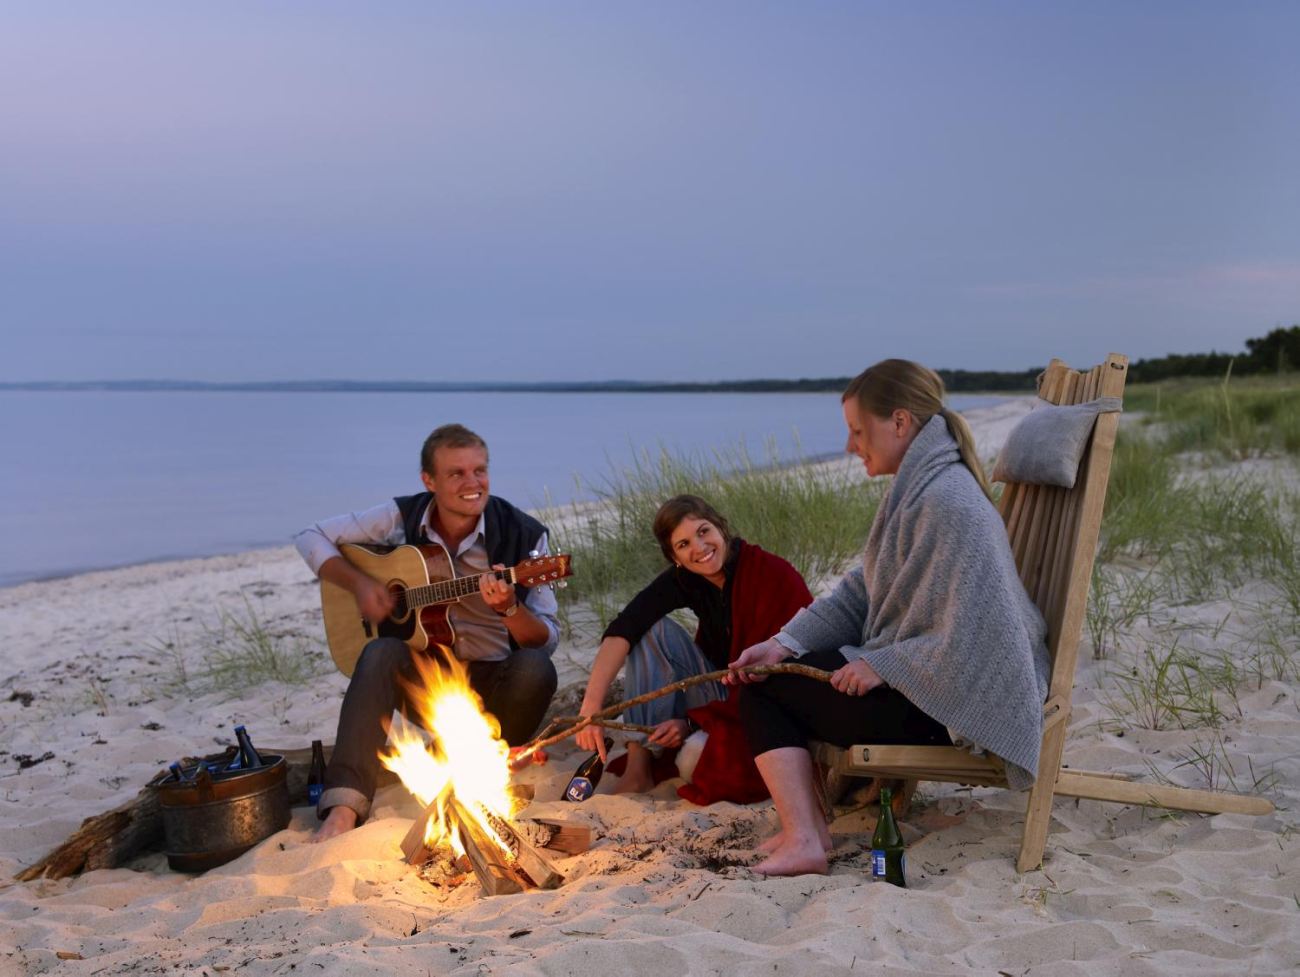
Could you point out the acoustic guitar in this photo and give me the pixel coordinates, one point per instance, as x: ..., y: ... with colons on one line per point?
x: 423, y: 582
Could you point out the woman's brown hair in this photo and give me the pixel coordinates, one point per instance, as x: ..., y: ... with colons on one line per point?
x: 892, y: 385
x: 679, y: 507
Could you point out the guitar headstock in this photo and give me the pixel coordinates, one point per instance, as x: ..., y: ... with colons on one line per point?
x: 539, y: 570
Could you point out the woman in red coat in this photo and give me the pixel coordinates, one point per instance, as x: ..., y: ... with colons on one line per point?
x: 741, y: 594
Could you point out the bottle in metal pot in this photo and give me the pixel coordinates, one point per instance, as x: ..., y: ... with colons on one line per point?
x: 247, y: 758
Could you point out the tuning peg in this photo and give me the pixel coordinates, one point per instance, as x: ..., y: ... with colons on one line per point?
x: 561, y: 584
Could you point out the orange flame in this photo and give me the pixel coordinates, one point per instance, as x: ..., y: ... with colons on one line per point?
x: 467, y: 758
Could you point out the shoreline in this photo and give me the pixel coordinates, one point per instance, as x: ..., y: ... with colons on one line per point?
x: 987, y: 421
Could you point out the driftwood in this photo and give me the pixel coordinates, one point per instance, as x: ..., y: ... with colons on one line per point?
x: 112, y: 839
x: 548, y: 738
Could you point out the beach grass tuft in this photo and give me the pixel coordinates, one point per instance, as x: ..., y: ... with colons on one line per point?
x: 1167, y: 686
x: 240, y: 651
x: 1233, y: 418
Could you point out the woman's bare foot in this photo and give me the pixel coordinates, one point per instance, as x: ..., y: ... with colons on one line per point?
x: 778, y: 839
x: 637, y: 778
x: 339, y: 820
x: 797, y: 856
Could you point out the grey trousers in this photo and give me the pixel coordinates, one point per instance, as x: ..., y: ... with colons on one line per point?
x: 516, y: 691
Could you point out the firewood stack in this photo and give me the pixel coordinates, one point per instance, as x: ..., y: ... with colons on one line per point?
x: 519, y: 866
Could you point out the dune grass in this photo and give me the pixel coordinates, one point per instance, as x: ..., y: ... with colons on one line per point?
x: 1231, y: 418
x: 1181, y: 528
x: 239, y: 651
x: 815, y: 516
x: 1214, y: 528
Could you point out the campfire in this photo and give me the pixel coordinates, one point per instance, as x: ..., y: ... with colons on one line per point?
x: 463, y: 781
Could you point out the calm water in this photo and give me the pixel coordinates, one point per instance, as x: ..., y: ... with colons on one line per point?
x: 92, y: 479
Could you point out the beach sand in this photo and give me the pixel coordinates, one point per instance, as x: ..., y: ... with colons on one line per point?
x: 95, y: 672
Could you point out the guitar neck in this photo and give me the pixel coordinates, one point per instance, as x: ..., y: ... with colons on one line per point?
x: 452, y: 590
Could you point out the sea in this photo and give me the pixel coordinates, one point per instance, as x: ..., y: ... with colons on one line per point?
x: 98, y: 479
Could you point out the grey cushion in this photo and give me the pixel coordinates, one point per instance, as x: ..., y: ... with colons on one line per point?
x: 1046, y: 446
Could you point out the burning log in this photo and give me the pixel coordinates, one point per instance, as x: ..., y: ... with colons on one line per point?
x: 566, y: 836
x: 527, y: 859
x: 414, y: 848
x: 520, y: 865
x: 488, y: 861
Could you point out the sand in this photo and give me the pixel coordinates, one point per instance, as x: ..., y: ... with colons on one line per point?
x: 88, y: 677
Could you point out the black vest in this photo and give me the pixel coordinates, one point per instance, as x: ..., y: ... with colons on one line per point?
x: 509, y: 533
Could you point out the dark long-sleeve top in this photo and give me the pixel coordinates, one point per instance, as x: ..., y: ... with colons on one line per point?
x: 674, y: 589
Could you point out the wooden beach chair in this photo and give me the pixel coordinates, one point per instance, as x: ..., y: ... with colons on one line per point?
x: 1053, y: 533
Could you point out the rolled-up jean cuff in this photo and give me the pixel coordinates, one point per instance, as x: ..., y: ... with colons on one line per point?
x: 343, y: 797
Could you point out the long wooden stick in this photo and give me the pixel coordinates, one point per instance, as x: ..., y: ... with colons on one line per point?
x: 785, y: 668
x: 606, y: 724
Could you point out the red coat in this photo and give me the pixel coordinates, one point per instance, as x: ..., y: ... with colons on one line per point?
x: 765, y: 593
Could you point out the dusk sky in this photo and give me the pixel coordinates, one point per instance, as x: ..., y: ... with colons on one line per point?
x: 695, y: 191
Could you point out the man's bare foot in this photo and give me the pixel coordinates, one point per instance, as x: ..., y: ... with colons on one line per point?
x: 339, y: 820
x: 637, y: 778
x: 804, y: 856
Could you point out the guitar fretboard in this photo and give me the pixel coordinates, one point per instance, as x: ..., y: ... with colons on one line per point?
x: 447, y: 591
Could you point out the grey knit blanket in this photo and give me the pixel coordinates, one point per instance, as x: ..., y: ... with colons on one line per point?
x: 938, y: 610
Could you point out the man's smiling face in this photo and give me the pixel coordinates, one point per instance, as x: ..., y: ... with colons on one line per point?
x: 459, y: 482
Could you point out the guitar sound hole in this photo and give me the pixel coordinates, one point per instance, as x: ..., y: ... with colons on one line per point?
x: 400, y: 610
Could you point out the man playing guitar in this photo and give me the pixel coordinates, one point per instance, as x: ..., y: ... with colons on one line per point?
x: 505, y: 634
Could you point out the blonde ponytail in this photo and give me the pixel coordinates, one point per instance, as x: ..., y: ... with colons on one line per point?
x: 961, y: 433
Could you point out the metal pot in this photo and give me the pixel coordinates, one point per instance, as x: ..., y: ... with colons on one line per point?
x: 209, y: 822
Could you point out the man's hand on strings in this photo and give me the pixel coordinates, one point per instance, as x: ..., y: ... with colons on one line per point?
x: 374, y: 600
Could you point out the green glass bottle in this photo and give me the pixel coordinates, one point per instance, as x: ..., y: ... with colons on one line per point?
x: 887, y: 859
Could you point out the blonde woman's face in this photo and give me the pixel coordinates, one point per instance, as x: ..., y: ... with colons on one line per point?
x: 880, y: 442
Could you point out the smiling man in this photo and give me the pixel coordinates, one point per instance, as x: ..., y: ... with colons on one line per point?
x: 505, y: 634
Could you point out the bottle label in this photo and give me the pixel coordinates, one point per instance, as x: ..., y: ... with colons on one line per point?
x: 313, y: 793
x: 579, y: 789
x: 877, y: 863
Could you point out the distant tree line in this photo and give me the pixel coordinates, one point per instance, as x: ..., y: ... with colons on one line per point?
x: 1278, y: 352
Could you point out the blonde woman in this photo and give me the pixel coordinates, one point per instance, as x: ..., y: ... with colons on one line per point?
x: 931, y: 637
